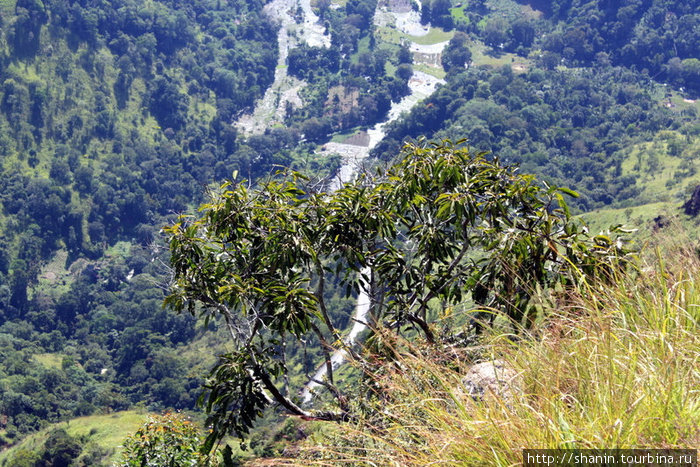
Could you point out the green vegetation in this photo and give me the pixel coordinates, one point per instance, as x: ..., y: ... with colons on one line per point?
x: 483, y: 55
x: 639, y: 217
x: 436, y: 72
x: 609, y: 367
x: 564, y: 59
x: 665, y: 166
x: 113, y: 116
x: 360, y: 61
x: 101, y: 434
x: 390, y: 35
x: 438, y: 225
x: 434, y: 36
x: 49, y: 360
x: 116, y: 117
x: 571, y: 127
x: 170, y: 440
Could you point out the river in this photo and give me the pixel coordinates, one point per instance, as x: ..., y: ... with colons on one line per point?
x: 269, y: 111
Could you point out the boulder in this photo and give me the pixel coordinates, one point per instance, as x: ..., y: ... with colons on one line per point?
x: 492, y: 377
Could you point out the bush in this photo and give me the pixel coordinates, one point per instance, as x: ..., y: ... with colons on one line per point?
x: 167, y: 440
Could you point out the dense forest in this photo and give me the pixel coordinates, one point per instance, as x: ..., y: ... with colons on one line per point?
x: 593, y: 90
x: 657, y: 38
x: 116, y: 117
x: 568, y: 127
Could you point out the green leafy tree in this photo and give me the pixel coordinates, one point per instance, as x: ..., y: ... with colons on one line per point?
x: 495, y: 32
x: 167, y: 440
x: 441, y: 223
x: 60, y: 449
x: 457, y: 54
x: 31, y: 16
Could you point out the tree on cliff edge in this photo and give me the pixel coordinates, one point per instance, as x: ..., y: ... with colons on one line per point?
x: 441, y: 223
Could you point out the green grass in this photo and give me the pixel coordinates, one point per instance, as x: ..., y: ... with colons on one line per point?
x: 342, y: 137
x: 55, y: 277
x: 434, y: 36
x: 679, y: 103
x: 480, y: 56
x: 391, y: 35
x: 431, y: 70
x: 107, y: 431
x: 389, y: 68
x: 120, y: 248
x: 637, y: 217
x: 660, y: 175
x: 49, y: 360
x: 362, y: 48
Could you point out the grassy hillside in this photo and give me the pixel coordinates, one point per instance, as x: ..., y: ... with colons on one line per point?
x: 106, y: 432
x: 609, y: 367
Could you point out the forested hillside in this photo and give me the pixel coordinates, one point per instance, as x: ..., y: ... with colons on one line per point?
x: 118, y: 116
x: 588, y: 83
x: 574, y: 127
x: 659, y: 36
x: 113, y: 116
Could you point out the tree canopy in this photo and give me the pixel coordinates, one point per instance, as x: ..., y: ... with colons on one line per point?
x: 441, y: 223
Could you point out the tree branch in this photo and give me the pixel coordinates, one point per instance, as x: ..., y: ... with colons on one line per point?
x: 320, y: 290
x: 326, y: 354
x: 291, y: 406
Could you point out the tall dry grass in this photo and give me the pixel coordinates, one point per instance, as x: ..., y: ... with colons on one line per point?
x: 611, y: 367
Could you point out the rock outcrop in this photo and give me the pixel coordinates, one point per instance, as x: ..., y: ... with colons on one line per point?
x: 493, y: 377
x: 692, y: 206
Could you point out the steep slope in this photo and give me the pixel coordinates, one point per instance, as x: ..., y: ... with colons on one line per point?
x: 113, y: 117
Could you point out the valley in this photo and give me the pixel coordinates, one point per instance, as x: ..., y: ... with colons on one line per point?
x: 119, y: 119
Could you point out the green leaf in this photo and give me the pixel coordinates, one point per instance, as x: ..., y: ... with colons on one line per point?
x: 569, y: 192
x: 563, y: 205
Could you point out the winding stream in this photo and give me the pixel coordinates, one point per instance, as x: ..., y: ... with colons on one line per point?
x: 421, y: 86
x: 270, y: 110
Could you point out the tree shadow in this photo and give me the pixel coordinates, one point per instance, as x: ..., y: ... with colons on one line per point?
x: 494, y: 52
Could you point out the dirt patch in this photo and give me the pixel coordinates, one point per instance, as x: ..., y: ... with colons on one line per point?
x: 49, y: 276
x: 340, y: 100
x: 78, y: 266
x: 358, y: 139
x: 530, y: 13
x: 520, y: 67
x: 56, y: 269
